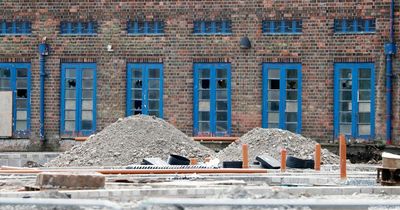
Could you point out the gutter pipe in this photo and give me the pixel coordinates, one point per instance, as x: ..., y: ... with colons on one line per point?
x: 43, y: 52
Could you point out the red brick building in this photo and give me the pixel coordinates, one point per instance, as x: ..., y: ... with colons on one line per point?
x: 313, y: 67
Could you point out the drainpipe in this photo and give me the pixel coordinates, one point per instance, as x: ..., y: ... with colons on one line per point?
x: 390, y: 50
x: 43, y: 52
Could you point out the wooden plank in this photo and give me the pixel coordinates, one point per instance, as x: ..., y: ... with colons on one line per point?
x: 6, y: 106
x: 212, y: 138
x: 81, y: 138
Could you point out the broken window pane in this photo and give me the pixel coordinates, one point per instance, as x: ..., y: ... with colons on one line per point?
x: 71, y: 83
x: 5, y: 72
x: 22, y: 72
x: 154, y: 73
x: 291, y: 84
x: 137, y: 104
x: 22, y: 93
x: 274, y: 84
x: 346, y: 84
x: 221, y: 84
x: 21, y: 103
x: 154, y: 94
x: 137, y: 112
x: 137, y: 83
x: 70, y: 115
x: 137, y: 94
x: 205, y: 84
x: 21, y: 125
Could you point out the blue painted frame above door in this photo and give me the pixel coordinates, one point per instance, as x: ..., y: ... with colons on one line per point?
x: 354, y: 100
x: 144, y: 93
x: 281, y: 99
x: 212, y: 99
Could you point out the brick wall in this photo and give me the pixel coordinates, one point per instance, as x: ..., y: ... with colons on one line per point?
x: 317, y: 48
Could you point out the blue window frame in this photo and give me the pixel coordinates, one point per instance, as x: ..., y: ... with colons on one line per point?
x: 354, y: 98
x: 16, y: 77
x: 78, y: 98
x: 282, y: 26
x: 15, y: 27
x: 354, y: 26
x: 145, y: 89
x: 212, y: 99
x: 282, y: 96
x: 78, y: 28
x: 212, y: 27
x: 145, y: 27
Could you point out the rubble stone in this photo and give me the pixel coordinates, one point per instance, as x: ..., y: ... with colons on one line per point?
x: 68, y: 180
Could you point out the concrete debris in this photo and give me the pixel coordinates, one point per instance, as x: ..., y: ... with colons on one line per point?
x: 271, y: 141
x: 128, y: 141
x: 71, y: 181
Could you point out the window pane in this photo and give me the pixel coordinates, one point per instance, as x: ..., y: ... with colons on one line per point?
x: 222, y: 105
x: 274, y: 74
x: 137, y: 73
x: 154, y: 113
x: 154, y: 83
x: 291, y: 106
x: 22, y: 72
x: 137, y: 94
x: 364, y: 73
x: 70, y: 83
x: 345, y: 95
x: 291, y: 84
x: 345, y: 106
x: 87, y: 94
x: 70, y: 73
x: 345, y: 117
x: 292, y: 127
x: 204, y: 126
x: 345, y: 73
x: 360, y: 25
x: 291, y: 95
x: 222, y: 116
x: 86, y: 125
x: 291, y: 117
x: 22, y: 83
x: 273, y: 125
x: 204, y: 94
x: 87, y: 73
x: 21, y: 104
x: 87, y: 115
x: 349, y: 25
x: 345, y: 129
x: 364, y: 84
x: 204, y: 73
x: 346, y: 84
x: 87, y: 104
x: 205, y: 84
x: 21, y: 115
x: 273, y: 84
x: 222, y: 126
x: 154, y: 94
x: 22, y: 93
x: 137, y: 104
x: 154, y: 104
x: 70, y: 104
x: 273, y: 95
x: 277, y: 26
x: 137, y: 83
x: 5, y: 84
x: 273, y: 117
x: 365, y: 95
x: 364, y: 107
x: 87, y: 83
x: 21, y: 125
x: 70, y: 93
x: 204, y: 106
x: 221, y: 73
x: 291, y: 73
x: 288, y: 26
x: 204, y: 116
x: 221, y: 84
x: 137, y: 112
x: 273, y: 106
x: 222, y: 94
x: 364, y: 129
x: 154, y: 73
x: 5, y: 72
x: 70, y: 115
x: 70, y: 125
x: 364, y: 117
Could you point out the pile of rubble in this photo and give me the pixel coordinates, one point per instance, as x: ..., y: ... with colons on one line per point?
x: 128, y: 141
x: 271, y: 141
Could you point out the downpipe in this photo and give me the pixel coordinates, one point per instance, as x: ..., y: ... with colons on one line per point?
x: 43, y: 52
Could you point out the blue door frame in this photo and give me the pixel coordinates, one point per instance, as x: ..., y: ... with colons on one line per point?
x: 212, y: 67
x: 14, y: 77
x: 146, y: 88
x: 283, y: 68
x: 354, y: 67
x: 79, y: 68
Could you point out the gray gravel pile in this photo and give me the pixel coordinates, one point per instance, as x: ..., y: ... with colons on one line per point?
x: 271, y: 141
x: 128, y: 141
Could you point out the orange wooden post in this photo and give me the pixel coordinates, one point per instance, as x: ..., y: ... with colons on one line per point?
x: 317, y: 157
x: 193, y: 161
x: 342, y: 152
x: 245, y: 155
x: 283, y: 160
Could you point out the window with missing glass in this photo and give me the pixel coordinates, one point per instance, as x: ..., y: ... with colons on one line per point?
x: 15, y: 77
x: 282, y: 96
x: 78, y: 98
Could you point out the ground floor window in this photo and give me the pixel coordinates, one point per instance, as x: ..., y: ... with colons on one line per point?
x: 282, y: 96
x: 78, y: 98
x: 354, y: 98
x: 145, y: 89
x: 212, y: 99
x: 15, y: 77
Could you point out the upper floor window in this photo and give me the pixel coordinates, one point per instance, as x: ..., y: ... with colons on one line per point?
x: 282, y: 26
x: 213, y: 27
x: 145, y: 27
x: 15, y: 27
x: 78, y: 28
x: 354, y: 25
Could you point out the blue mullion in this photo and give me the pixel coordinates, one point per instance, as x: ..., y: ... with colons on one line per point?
x: 299, y: 100
x: 78, y: 105
x: 354, y: 104
x: 156, y: 27
x: 367, y: 25
x: 145, y: 27
x: 372, y: 69
x: 264, y: 96
x: 145, y: 89
x: 213, y: 27
x: 136, y: 27
x: 13, y: 74
x: 90, y: 27
x: 294, y: 25
x: 203, y: 27
x: 229, y: 122
x: 129, y: 111
x: 223, y: 27
x: 213, y: 98
x: 196, y: 99
x: 282, y: 97
x: 272, y: 26
x: 282, y: 26
x: 69, y: 28
x: 355, y: 28
x: 344, y: 25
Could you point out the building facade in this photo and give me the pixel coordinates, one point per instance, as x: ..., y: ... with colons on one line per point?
x: 312, y: 67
